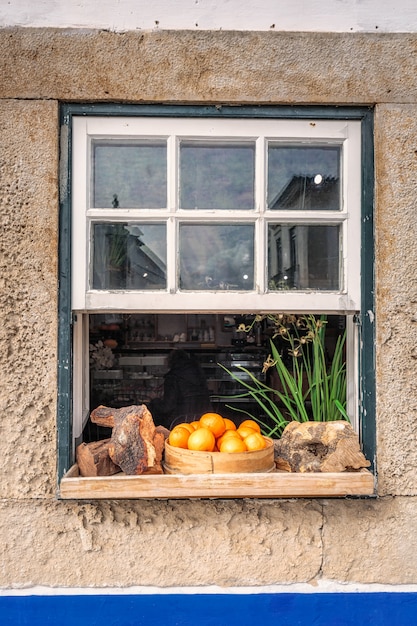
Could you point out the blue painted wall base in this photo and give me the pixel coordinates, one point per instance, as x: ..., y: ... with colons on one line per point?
x: 287, y: 609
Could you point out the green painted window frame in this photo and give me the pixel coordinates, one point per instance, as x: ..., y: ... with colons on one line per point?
x: 365, y: 320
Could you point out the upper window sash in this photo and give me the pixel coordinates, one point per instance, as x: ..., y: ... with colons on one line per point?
x: 261, y: 132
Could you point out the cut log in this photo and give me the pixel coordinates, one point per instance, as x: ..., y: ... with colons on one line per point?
x: 93, y: 459
x: 319, y: 447
x: 159, y: 438
x: 135, y: 444
x: 164, y: 431
x: 103, y: 416
x: 107, y: 417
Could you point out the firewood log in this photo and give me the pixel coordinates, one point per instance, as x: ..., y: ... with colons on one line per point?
x: 93, y: 459
x: 319, y: 447
x: 103, y: 416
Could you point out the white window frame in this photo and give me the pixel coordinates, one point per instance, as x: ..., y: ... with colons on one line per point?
x: 340, y: 132
x: 84, y: 299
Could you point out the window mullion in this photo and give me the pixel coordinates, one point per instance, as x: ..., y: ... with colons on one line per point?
x: 260, y: 207
x: 172, y: 173
x: 172, y: 206
x: 172, y: 256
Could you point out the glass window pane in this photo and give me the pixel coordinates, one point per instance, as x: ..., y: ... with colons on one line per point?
x: 129, y: 256
x: 217, y: 175
x: 129, y: 175
x: 304, y: 178
x: 303, y: 257
x: 219, y: 256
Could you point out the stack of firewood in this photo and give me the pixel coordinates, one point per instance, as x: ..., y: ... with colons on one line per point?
x: 135, y: 447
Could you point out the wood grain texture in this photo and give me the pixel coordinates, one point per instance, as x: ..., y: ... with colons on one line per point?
x: 180, y: 461
x: 178, y: 486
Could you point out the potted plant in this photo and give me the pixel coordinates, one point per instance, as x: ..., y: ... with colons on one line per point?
x: 309, y: 386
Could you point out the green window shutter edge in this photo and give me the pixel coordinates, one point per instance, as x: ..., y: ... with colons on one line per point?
x: 367, y: 354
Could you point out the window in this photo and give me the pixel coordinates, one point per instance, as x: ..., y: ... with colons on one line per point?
x: 174, y: 206
x: 209, y: 211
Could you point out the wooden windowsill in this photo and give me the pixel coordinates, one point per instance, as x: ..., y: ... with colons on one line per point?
x: 249, y: 485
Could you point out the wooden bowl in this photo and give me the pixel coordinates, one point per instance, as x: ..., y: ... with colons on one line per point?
x: 181, y: 461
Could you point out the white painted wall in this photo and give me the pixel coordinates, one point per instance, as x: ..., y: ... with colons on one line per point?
x: 283, y: 15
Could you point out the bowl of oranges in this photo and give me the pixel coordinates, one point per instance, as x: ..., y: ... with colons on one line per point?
x: 216, y: 445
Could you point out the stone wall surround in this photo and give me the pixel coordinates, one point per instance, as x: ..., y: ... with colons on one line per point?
x: 221, y: 542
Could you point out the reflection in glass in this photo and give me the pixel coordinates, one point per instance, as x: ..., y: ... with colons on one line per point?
x: 217, y: 175
x: 219, y: 256
x: 129, y: 256
x: 304, y: 178
x: 303, y: 257
x: 129, y: 175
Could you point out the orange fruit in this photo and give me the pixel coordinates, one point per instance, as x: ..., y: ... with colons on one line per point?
x: 110, y: 343
x: 186, y: 425
x: 214, y: 422
x: 244, y: 431
x: 230, y: 425
x: 202, y: 439
x: 251, y: 424
x: 255, y: 441
x: 232, y: 445
x: 231, y: 433
x: 178, y: 437
x: 226, y: 434
x: 195, y: 424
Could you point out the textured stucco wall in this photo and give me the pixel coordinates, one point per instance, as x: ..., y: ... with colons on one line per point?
x: 168, y: 543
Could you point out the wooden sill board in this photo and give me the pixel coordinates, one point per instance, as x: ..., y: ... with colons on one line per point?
x: 177, y: 486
